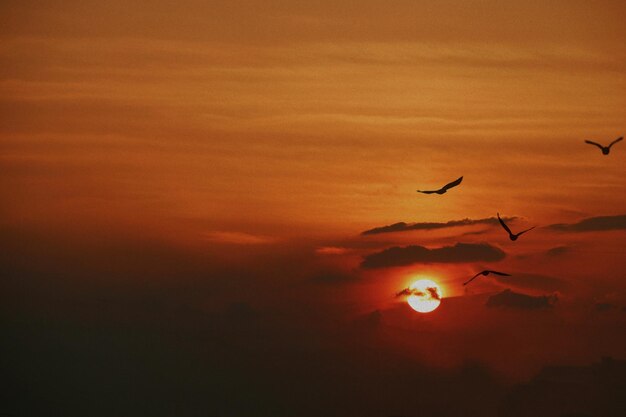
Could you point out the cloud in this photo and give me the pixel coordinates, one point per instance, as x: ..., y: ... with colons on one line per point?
x: 508, y: 298
x: 461, y: 252
x: 404, y: 227
x: 534, y: 282
x: 593, y: 224
x: 434, y: 293
x: 475, y: 232
x: 237, y: 238
x: 431, y: 293
x: 558, y: 251
x: 604, y: 307
x: 331, y: 250
x: 370, y: 320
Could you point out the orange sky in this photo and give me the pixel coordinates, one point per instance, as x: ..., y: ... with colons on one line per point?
x: 236, y: 118
x: 260, y: 138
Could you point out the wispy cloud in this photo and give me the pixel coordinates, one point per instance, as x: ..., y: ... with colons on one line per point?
x: 461, y: 252
x: 430, y: 292
x: 558, y: 250
x: 405, y: 227
x: 593, y: 224
x: 533, y: 282
x: 237, y: 238
x: 508, y: 298
x: 331, y: 250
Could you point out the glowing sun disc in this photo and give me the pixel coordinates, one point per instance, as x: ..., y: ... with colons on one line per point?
x: 426, y: 296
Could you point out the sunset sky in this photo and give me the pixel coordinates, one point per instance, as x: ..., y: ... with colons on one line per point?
x: 186, y: 186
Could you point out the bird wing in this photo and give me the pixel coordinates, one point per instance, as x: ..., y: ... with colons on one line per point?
x: 472, y: 279
x: 615, y: 141
x: 527, y: 230
x: 594, y: 143
x: 426, y: 192
x: 499, y: 273
x: 452, y: 184
x: 504, y: 224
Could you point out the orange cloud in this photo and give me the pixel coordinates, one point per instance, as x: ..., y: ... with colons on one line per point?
x: 237, y: 238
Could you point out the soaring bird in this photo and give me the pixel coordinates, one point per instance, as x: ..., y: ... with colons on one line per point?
x: 485, y: 273
x: 605, y: 149
x: 445, y: 188
x: 512, y: 236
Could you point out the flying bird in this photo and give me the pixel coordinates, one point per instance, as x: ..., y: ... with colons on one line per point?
x: 443, y: 189
x: 485, y: 273
x: 512, y: 236
x: 605, y: 149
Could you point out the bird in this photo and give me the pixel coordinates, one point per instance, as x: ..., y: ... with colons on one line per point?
x: 513, y: 236
x: 605, y: 149
x: 443, y: 189
x: 485, y: 273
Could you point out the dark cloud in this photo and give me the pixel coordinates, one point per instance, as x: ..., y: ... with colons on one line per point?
x: 404, y: 227
x: 231, y: 339
x: 475, y: 232
x: 461, y: 252
x: 434, y: 293
x: 558, y: 251
x: 533, y: 281
x: 508, y: 298
x: 593, y: 224
x: 406, y: 291
x: 430, y: 292
x: 604, y: 307
x: 552, y: 391
x: 370, y: 320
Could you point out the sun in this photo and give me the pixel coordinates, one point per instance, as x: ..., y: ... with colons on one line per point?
x: 425, y: 295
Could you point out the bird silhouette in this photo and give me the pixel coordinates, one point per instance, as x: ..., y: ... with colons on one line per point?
x: 605, y: 149
x: 485, y: 273
x: 443, y: 189
x: 512, y: 236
